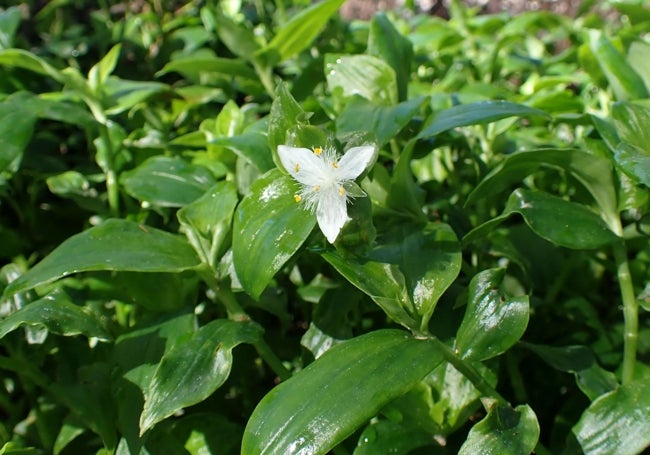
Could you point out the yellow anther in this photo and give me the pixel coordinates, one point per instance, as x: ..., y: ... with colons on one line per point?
x: 335, y: 165
x: 317, y: 187
x: 297, y: 168
x: 297, y: 197
x: 318, y: 150
x: 341, y: 191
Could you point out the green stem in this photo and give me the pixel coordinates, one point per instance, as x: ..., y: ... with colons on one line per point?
x: 112, y: 187
x: 470, y: 373
x: 630, y: 312
x: 237, y: 313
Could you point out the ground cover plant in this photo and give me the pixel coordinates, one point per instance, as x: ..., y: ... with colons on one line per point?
x: 255, y: 227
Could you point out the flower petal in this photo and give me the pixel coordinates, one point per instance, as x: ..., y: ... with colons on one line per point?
x: 302, y: 164
x: 355, y: 161
x: 332, y: 212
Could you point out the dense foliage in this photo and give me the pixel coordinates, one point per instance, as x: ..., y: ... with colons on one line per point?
x: 167, y: 290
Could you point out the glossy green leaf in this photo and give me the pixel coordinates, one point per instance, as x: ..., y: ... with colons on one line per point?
x: 9, y: 22
x: 297, y: 34
x: 286, y: 115
x: 387, y: 436
x: 383, y: 282
x: 638, y: 56
x: 383, y: 121
x: 263, y: 244
x: 99, y: 72
x: 20, y: 58
x: 193, y: 67
x: 58, y: 314
x: 236, y: 36
x: 385, y: 42
x: 251, y: 146
x: 113, y: 245
x: 405, y: 194
x: 14, y: 448
x: 590, y: 377
x: 164, y: 181
x: 631, y: 122
x: 493, y: 322
x: 324, y: 403
x: 194, y: 369
x: 364, y: 75
x: 207, y: 221
x: 617, y: 422
x: 474, y: 114
x: 625, y: 82
x: 503, y: 431
x: 16, y: 128
x: 564, y: 223
x: 594, y: 172
x: 634, y: 162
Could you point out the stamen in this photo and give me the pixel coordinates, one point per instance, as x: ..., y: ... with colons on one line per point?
x: 318, y: 150
x: 297, y: 168
x: 297, y: 197
x: 341, y: 191
x: 317, y: 187
x: 335, y: 165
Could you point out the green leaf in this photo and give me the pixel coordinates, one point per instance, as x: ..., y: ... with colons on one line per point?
x: 207, y: 221
x: 638, y: 56
x: 383, y: 121
x: 16, y: 128
x: 113, y: 245
x: 634, y: 162
x: 595, y: 174
x: 564, y: 223
x: 503, y: 431
x: 493, y: 322
x: 9, y: 21
x: 625, y: 82
x: 590, y: 377
x: 364, y: 75
x: 286, y: 114
x: 56, y: 313
x: 297, y: 34
x: 123, y: 94
x: 387, y: 436
x: 23, y: 59
x: 405, y: 194
x: 475, y: 114
x: 251, y: 146
x: 269, y: 228
x: 13, y: 448
x: 324, y: 403
x: 617, y: 422
x: 164, y: 181
x: 194, y: 369
x: 101, y: 70
x: 631, y: 122
x: 383, y: 282
x: 236, y: 36
x: 192, y: 67
x: 385, y: 42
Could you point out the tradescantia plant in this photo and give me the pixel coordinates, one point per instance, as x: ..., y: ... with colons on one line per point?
x: 257, y: 228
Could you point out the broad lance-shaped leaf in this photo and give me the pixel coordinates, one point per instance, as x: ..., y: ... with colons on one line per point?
x: 492, y: 322
x: 194, y: 369
x: 634, y: 162
x: 365, y: 75
x: 503, y: 431
x: 268, y: 229
x: 113, y: 245
x: 57, y: 314
x: 474, y: 114
x: 617, y: 422
x: 297, y: 34
x: 326, y: 402
x: 564, y: 223
x: 594, y: 172
x: 167, y: 181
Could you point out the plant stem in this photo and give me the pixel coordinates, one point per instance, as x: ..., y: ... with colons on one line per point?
x: 469, y: 372
x: 630, y: 312
x: 237, y: 313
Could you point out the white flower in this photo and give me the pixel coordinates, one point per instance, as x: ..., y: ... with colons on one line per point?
x: 327, y: 181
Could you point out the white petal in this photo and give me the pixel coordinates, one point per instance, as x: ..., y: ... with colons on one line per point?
x: 332, y: 212
x: 355, y: 161
x: 302, y: 164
